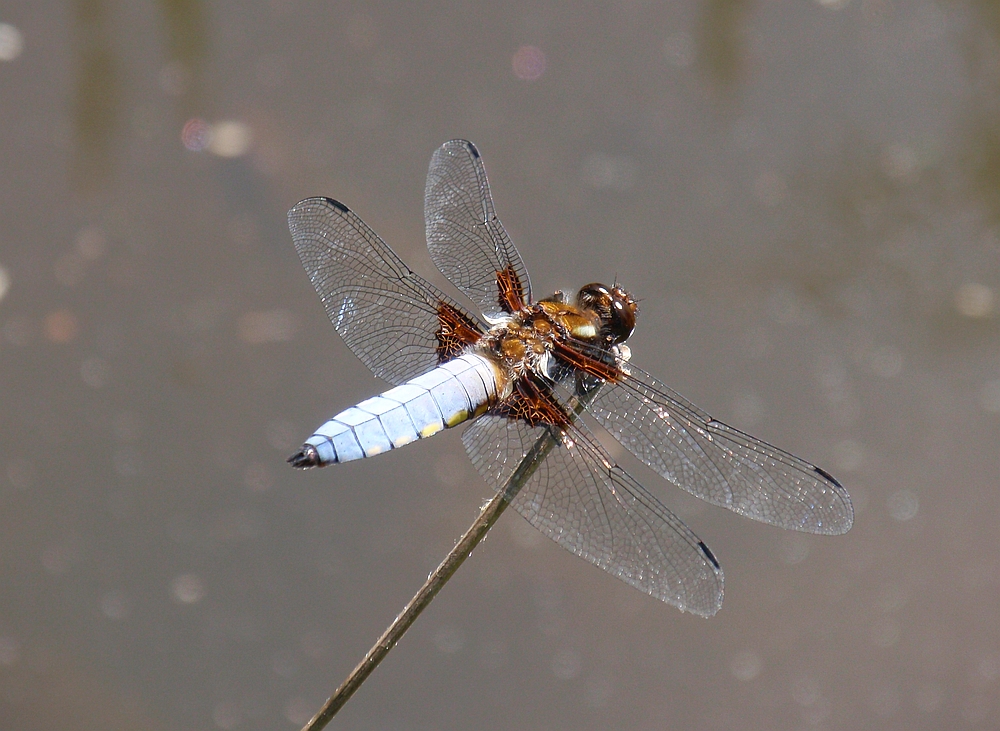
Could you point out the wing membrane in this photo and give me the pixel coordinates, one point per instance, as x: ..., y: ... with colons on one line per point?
x: 466, y: 239
x: 577, y: 496
x: 386, y: 314
x: 716, y: 462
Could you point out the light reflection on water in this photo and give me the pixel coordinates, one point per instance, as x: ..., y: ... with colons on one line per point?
x: 806, y: 198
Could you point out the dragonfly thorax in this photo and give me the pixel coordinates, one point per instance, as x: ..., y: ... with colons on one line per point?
x: 521, y: 346
x: 524, y: 343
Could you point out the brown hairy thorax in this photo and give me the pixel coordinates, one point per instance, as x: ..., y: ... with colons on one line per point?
x: 579, y: 334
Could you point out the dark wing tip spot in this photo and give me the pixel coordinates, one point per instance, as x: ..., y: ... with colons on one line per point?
x: 472, y: 148
x: 826, y: 475
x: 708, y: 554
x: 338, y: 205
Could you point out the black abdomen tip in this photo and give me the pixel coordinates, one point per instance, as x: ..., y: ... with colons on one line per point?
x: 306, y: 458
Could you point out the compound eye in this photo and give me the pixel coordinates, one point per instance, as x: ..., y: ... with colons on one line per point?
x: 622, y: 320
x: 615, y: 307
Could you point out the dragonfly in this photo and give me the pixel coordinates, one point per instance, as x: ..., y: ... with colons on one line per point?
x: 518, y: 369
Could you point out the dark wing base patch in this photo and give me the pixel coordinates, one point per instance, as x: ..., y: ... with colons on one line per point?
x: 455, y: 332
x: 510, y: 295
x: 587, y: 364
x: 533, y: 404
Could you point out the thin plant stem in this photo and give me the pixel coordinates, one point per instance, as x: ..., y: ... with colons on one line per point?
x: 462, y: 550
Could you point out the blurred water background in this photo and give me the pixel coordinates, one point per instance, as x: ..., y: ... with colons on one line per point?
x: 804, y: 194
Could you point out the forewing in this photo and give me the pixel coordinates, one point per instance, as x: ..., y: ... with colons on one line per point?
x: 578, y: 497
x: 716, y: 462
x: 466, y: 239
x: 390, y: 317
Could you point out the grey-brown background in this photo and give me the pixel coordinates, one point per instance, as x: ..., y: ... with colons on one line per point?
x: 806, y: 197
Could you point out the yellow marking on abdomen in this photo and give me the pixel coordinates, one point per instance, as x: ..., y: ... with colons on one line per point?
x: 402, y: 441
x: 430, y: 430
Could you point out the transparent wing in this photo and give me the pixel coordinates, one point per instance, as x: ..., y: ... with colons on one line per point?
x: 576, y: 495
x: 385, y: 313
x: 466, y: 239
x: 716, y: 462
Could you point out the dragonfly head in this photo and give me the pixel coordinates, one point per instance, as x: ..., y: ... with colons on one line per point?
x: 614, y: 306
